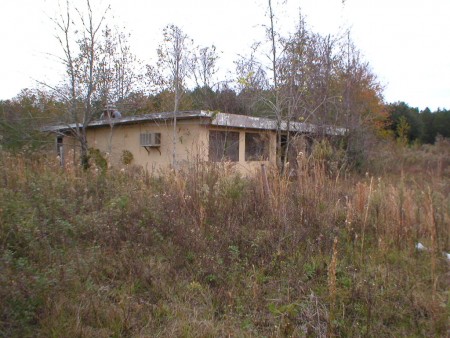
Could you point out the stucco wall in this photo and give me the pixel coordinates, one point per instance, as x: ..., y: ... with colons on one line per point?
x: 193, y: 144
x: 192, y: 138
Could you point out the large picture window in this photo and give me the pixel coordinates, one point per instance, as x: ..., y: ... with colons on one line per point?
x: 223, y: 146
x: 256, y: 147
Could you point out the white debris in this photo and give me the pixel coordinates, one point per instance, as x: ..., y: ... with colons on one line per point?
x: 421, y: 247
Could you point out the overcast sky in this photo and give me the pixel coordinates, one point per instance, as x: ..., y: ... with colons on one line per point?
x: 406, y: 42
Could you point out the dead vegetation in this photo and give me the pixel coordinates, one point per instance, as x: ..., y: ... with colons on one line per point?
x: 207, y: 253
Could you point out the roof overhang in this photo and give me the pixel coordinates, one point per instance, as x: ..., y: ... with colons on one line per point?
x: 153, y: 117
x: 217, y: 119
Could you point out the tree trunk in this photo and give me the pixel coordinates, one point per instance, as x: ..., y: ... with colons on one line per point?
x: 84, y: 152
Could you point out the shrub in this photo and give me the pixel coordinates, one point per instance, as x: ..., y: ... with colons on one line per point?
x: 98, y: 158
x: 127, y: 157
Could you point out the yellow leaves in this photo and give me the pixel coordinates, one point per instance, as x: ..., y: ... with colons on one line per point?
x: 247, y: 80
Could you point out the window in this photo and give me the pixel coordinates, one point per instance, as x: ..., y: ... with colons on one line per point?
x: 256, y: 147
x: 60, y: 149
x: 59, y: 145
x: 223, y: 146
x: 150, y: 139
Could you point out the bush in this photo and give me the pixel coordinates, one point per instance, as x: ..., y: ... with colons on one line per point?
x: 127, y: 157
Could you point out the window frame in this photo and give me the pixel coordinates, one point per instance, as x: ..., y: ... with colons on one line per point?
x: 218, y: 150
x: 257, y: 152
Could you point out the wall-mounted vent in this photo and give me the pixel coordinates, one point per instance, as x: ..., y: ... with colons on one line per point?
x: 150, y: 140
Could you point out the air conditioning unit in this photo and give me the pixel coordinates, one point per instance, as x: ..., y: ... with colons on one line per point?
x: 150, y: 139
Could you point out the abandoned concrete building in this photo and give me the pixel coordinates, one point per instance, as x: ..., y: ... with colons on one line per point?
x: 244, y: 141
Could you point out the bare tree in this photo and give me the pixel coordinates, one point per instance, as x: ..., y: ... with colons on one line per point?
x: 203, y: 68
x: 307, y: 77
x: 80, y: 56
x: 361, y: 104
x: 259, y: 80
x: 252, y: 78
x: 173, y: 69
x: 116, y: 69
x: 100, y: 68
x: 275, y: 103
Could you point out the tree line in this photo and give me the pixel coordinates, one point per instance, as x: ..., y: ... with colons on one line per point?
x: 409, y: 124
x: 301, y: 76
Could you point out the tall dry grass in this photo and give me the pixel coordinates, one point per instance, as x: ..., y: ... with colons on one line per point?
x: 206, y: 252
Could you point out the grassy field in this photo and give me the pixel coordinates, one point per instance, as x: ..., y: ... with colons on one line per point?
x: 207, y: 253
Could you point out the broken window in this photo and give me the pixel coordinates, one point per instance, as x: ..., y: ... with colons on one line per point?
x: 223, y: 146
x: 256, y: 147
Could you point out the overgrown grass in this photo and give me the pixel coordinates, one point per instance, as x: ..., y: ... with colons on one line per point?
x: 207, y: 253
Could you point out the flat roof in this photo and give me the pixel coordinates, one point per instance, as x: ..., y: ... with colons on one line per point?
x: 209, y: 118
